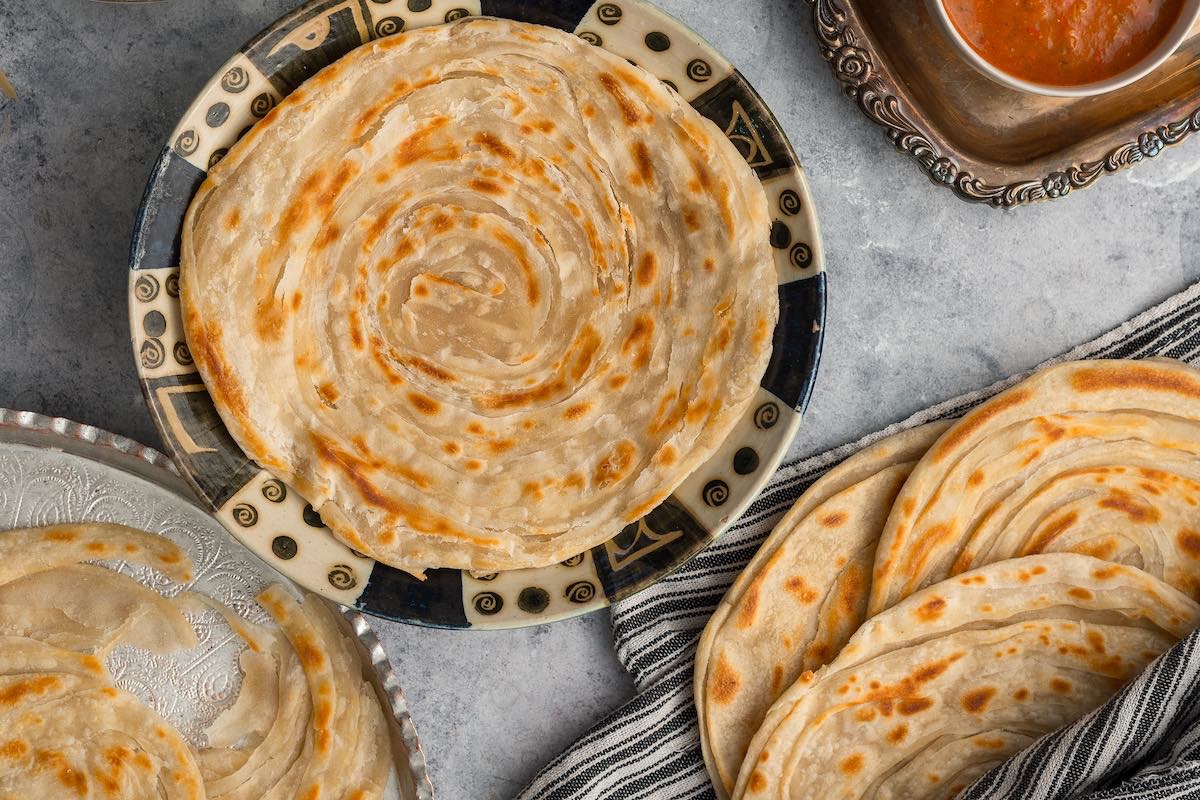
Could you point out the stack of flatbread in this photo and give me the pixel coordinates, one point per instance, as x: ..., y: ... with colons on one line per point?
x: 484, y: 293
x: 943, y: 598
x: 304, y: 725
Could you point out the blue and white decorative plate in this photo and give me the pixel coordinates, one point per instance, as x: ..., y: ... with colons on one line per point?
x: 272, y: 519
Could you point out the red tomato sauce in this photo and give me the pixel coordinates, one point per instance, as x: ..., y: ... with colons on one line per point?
x: 1063, y: 42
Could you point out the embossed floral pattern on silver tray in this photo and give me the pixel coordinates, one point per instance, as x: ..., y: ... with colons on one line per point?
x: 55, y: 471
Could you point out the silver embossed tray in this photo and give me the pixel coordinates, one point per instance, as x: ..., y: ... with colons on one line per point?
x: 55, y: 470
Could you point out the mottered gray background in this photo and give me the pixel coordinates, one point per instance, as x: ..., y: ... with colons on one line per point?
x: 929, y: 296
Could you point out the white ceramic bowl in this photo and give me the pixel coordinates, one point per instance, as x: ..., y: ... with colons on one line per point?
x: 1175, y: 37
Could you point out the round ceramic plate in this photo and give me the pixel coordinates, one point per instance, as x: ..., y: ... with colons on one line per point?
x: 272, y: 519
x: 55, y: 471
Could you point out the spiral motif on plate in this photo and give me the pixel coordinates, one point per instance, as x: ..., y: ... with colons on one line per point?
x: 487, y: 603
x: 216, y: 156
x: 245, y: 515
x: 609, y: 13
x: 183, y: 356
x: 580, y: 592
x: 699, y: 70
x: 152, y: 354
x: 388, y: 26
x: 235, y: 80
x: 486, y: 577
x: 800, y: 256
x: 187, y: 143
x: 172, y: 284
x: 455, y: 14
x: 574, y: 561
x: 591, y: 38
x: 342, y: 577
x: 789, y: 202
x: 145, y: 288
x: 260, y: 105
x: 715, y: 493
x: 274, y: 490
x: 766, y: 415
x: 481, y: 283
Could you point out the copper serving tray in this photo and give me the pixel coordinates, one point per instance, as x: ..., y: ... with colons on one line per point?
x: 987, y: 143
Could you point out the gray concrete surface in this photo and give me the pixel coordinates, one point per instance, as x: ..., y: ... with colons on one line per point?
x: 929, y: 297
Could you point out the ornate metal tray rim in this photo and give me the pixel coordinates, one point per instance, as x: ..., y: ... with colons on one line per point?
x: 30, y: 429
x: 848, y: 53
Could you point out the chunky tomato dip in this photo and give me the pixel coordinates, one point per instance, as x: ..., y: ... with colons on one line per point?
x: 1063, y: 42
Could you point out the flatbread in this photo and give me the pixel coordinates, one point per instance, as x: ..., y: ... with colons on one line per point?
x: 801, y: 597
x: 484, y: 293
x: 1097, y: 457
x: 67, y: 731
x: 958, y: 676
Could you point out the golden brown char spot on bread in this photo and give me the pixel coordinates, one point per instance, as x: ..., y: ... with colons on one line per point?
x: 975, y: 420
x: 692, y: 220
x: 1126, y: 375
x: 639, y: 511
x: 976, y: 478
x: 725, y: 682
x: 532, y: 286
x: 758, y: 782
x: 1123, y: 502
x: 328, y: 393
x: 799, y: 588
x: 897, y: 734
x: 431, y: 370
x: 60, y: 535
x: 851, y: 764
x: 913, y: 705
x: 647, y: 269
x: 417, y: 146
x: 931, y: 609
x: 13, y: 749
x: 577, y: 410
x: 451, y: 448
x: 425, y: 404
x: 666, y: 456
x: 628, y: 108
x: 499, y: 446
x: 583, y: 350
x: 1051, y: 532
x: 204, y: 341
x: 835, y: 519
x: 495, y: 145
x: 617, y: 381
x: 1189, y: 542
x: 644, y: 174
x: 1079, y: 593
x: 233, y: 219
x: 748, y: 607
x: 485, y: 186
x: 18, y: 691
x: 1060, y: 685
x: 616, y: 465
x: 639, y: 338
x: 976, y: 701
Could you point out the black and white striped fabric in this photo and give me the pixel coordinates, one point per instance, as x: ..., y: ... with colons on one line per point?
x: 1143, y: 745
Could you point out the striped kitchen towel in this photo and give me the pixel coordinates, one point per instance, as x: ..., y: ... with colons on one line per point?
x: 1144, y: 744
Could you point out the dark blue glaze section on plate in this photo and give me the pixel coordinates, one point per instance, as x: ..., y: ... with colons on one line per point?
x: 297, y: 47
x: 796, y: 346
x: 564, y: 14
x: 394, y: 594
x: 736, y: 108
x: 645, y: 550
x: 195, y: 435
x: 164, y: 204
